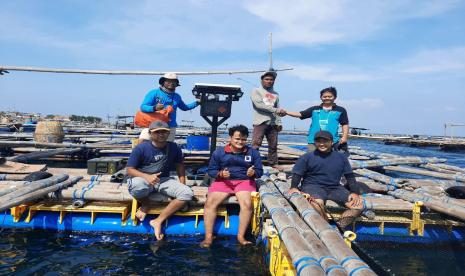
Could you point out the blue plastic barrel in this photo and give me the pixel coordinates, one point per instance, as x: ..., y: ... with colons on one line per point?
x: 197, y: 142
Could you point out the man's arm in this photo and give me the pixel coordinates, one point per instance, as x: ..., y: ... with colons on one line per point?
x: 150, y: 178
x: 258, y: 166
x: 214, y: 165
x: 181, y: 170
x: 296, y: 178
x: 344, y: 121
x: 294, y: 114
x: 148, y: 105
x: 185, y: 107
x: 345, y: 134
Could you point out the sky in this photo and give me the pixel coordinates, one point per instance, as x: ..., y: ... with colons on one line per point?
x: 398, y: 65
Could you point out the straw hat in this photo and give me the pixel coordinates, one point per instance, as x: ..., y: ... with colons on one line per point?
x: 169, y: 76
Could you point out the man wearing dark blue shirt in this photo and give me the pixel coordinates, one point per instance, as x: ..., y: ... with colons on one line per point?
x: 149, y: 166
x: 234, y: 169
x: 319, y: 173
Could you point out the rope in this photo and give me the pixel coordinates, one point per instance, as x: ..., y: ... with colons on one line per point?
x: 350, y: 258
x: 308, y: 261
x: 359, y: 268
x: 285, y: 228
x: 307, y: 212
x: 326, y: 257
x: 306, y: 265
x: 328, y: 270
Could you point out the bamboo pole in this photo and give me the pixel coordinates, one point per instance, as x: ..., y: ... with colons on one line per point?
x: 441, y: 170
x: 125, y: 72
x: 314, y: 244
x: 10, y: 186
x: 328, y: 235
x: 23, y: 158
x: 295, y: 243
x: 33, y: 186
x: 449, y: 167
x: 36, y: 194
x: 389, y: 181
x: 418, y: 183
x: 425, y: 172
x: 13, y: 144
x: 12, y: 176
x: 431, y: 202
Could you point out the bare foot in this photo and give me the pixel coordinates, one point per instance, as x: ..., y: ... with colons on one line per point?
x: 243, y: 241
x: 206, y: 243
x: 141, y: 213
x: 156, y: 229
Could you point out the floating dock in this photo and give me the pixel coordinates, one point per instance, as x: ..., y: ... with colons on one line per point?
x: 297, y: 240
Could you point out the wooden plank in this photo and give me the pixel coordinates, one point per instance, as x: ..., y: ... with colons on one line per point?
x: 20, y: 168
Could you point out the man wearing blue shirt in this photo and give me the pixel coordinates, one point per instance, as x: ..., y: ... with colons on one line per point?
x: 164, y: 96
x: 234, y: 168
x: 149, y: 167
x: 319, y: 173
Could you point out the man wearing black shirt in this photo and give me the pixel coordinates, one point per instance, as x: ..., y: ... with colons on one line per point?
x: 319, y: 173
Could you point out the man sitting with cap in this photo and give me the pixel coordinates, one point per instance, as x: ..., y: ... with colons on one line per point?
x: 149, y: 166
x: 319, y: 173
x: 164, y: 96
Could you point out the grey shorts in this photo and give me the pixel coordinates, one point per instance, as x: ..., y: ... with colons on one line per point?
x: 139, y: 188
x: 338, y: 194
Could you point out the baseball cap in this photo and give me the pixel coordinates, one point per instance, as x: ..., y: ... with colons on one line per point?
x: 158, y: 125
x: 323, y: 134
x: 269, y: 73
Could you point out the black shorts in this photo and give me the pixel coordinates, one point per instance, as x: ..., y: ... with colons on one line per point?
x: 338, y: 194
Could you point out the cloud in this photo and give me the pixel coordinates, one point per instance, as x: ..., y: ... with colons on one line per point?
x: 359, y: 104
x: 340, y: 21
x: 208, y: 24
x: 330, y: 73
x: 434, y: 61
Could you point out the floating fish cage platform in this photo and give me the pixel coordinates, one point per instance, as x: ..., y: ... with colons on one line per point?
x: 406, y: 193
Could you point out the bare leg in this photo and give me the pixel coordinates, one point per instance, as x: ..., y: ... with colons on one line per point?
x: 318, y: 205
x: 214, y: 199
x: 350, y: 215
x: 245, y: 214
x: 142, y: 210
x: 170, y: 209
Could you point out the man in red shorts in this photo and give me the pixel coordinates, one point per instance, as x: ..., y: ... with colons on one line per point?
x: 234, y: 168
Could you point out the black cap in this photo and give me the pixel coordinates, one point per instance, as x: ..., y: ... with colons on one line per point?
x: 323, y: 134
x: 158, y: 125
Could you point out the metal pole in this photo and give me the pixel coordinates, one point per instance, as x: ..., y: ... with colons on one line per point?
x: 214, y: 134
x: 270, y: 51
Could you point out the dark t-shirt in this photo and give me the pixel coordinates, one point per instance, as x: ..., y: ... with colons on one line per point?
x: 146, y: 153
x: 321, y: 169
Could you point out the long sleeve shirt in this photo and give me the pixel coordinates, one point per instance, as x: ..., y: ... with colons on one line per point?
x: 159, y: 96
x: 236, y: 163
x: 266, y: 105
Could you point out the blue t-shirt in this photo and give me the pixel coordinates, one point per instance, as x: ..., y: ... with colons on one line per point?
x: 159, y: 96
x: 146, y: 153
x: 322, y: 119
x: 321, y: 169
x: 236, y: 163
